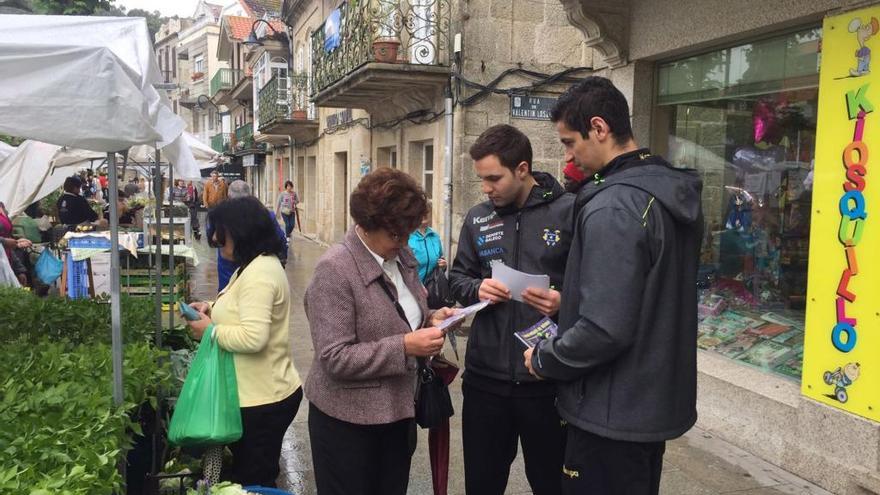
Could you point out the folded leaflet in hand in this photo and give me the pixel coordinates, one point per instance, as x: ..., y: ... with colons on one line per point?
x: 544, y: 329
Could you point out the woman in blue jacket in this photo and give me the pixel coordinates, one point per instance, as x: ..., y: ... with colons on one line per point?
x: 426, y: 246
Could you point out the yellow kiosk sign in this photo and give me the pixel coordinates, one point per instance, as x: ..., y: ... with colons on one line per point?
x: 842, y: 344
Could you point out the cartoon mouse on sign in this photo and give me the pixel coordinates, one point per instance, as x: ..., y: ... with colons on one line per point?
x: 842, y: 378
x: 863, y: 54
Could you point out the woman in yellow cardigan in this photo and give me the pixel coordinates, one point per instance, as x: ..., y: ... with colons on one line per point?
x: 251, y: 319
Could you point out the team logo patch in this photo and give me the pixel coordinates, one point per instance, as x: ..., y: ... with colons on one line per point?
x: 492, y: 226
x: 552, y: 237
x: 490, y: 237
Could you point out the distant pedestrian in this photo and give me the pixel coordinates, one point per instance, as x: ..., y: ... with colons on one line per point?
x: 225, y: 266
x: 215, y: 190
x: 574, y: 177
x: 426, y: 246
x: 286, y: 207
x: 193, y: 200
x: 624, y: 359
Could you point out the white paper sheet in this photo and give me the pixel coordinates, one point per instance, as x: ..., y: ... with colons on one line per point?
x: 518, y: 281
x: 461, y: 314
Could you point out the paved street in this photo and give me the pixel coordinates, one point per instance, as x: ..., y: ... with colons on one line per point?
x: 697, y: 464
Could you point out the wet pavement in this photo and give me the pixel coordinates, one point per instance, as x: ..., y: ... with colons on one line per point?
x: 696, y: 464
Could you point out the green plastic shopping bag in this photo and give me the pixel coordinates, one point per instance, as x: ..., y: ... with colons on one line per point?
x: 207, y: 411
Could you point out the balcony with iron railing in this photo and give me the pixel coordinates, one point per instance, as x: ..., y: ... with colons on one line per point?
x: 223, y: 142
x: 389, y: 57
x: 224, y: 80
x: 244, y: 140
x: 244, y: 137
x: 284, y: 108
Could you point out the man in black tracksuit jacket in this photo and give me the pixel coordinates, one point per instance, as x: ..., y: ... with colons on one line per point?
x: 625, y: 356
x: 527, y: 225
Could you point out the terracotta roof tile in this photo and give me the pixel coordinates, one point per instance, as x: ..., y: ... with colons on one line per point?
x: 239, y: 28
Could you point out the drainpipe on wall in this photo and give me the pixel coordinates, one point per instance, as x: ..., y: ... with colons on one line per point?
x: 447, y: 178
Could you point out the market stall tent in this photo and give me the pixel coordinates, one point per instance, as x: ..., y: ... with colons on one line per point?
x: 6, y: 150
x: 35, y: 170
x: 87, y: 83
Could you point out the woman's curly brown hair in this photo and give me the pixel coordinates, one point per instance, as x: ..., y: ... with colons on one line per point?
x: 388, y: 199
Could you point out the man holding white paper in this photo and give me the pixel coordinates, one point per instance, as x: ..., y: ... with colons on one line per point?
x: 523, y: 231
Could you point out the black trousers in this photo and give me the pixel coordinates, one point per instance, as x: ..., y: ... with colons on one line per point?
x: 602, y: 466
x: 491, y: 427
x: 351, y: 459
x: 255, y: 456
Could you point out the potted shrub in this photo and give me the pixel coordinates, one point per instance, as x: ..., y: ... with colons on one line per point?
x: 385, y: 50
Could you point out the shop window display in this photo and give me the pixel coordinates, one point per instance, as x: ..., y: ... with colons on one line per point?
x: 748, y: 126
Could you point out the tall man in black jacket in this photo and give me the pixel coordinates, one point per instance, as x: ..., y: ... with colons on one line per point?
x: 527, y: 225
x: 625, y: 357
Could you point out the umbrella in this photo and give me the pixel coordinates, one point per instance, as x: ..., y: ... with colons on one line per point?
x: 438, y: 438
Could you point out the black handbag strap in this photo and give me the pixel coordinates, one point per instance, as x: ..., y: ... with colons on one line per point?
x: 423, y: 364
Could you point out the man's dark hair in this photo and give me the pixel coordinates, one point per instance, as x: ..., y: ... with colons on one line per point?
x: 594, y: 97
x: 246, y: 221
x: 33, y: 210
x: 508, y: 143
x: 73, y: 184
x: 288, y: 183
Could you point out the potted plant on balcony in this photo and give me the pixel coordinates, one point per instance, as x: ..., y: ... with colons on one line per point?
x: 386, y: 40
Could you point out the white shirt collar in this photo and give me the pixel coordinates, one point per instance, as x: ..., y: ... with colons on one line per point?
x: 378, y: 258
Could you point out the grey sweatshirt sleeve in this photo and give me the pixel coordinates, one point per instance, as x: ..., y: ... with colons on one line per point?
x: 614, y: 264
x: 465, y: 276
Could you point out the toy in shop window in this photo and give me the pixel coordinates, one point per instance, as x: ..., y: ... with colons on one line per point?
x: 739, y: 216
x: 842, y: 378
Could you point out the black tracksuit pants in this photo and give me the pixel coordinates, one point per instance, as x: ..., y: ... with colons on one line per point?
x: 492, y: 425
x: 602, y: 466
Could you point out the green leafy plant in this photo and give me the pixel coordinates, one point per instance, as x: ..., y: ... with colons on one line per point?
x: 65, y: 435
x: 62, y: 433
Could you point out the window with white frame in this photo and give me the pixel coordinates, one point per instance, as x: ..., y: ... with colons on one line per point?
x: 281, y: 74
x: 199, y: 64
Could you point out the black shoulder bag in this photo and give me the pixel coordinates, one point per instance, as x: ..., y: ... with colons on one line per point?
x: 437, y: 284
x: 433, y: 403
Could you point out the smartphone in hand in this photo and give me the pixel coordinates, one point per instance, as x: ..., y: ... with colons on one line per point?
x: 189, y: 314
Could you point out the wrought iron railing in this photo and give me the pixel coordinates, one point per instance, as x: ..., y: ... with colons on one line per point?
x: 393, y: 31
x: 285, y: 99
x: 223, y: 142
x: 224, y: 79
x: 244, y: 137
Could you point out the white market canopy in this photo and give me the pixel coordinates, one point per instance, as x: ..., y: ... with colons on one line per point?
x: 6, y: 150
x: 35, y: 170
x: 86, y: 83
x: 204, y: 155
